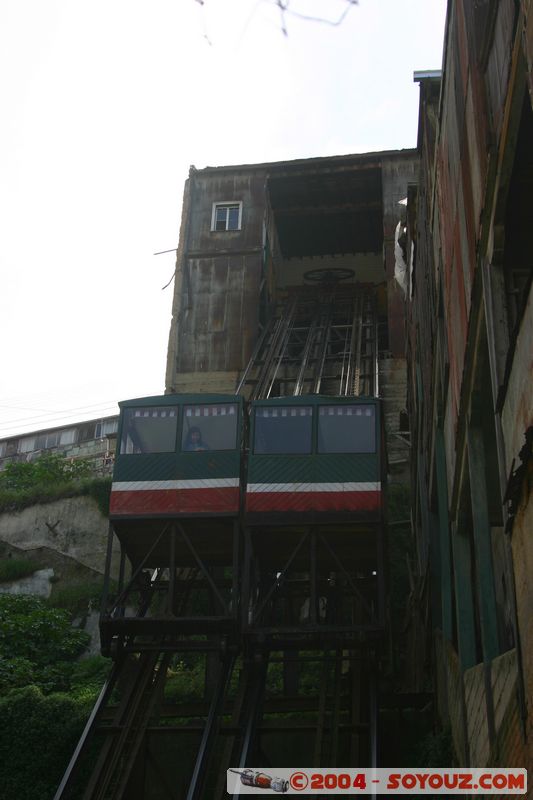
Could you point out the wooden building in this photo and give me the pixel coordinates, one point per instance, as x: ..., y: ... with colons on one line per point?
x: 470, y: 334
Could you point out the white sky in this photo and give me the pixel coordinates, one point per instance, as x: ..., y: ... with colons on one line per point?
x: 105, y: 105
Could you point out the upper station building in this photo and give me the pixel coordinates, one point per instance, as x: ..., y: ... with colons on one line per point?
x: 471, y: 380
x: 254, y: 236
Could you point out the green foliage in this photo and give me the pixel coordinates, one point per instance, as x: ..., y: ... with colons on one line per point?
x: 185, y: 682
x: 39, y: 727
x: 77, y: 597
x: 89, y: 674
x: 11, y: 569
x: 48, y: 478
x: 50, y: 469
x: 43, y: 637
x: 38, y: 734
x: 15, y: 672
x: 17, y: 499
x: 100, y: 490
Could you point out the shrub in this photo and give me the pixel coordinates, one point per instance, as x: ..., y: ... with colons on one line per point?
x: 30, y: 629
x: 77, y: 597
x: 17, y: 499
x: 184, y: 682
x: 48, y: 478
x: 49, y: 469
x: 38, y: 735
x: 15, y: 672
x: 89, y: 675
x: 11, y: 569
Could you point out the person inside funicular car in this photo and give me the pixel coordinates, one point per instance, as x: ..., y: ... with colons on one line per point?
x: 194, y: 441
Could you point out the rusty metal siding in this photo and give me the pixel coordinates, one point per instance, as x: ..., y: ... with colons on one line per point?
x: 499, y: 63
x: 216, y: 303
x: 476, y: 157
x: 475, y: 216
x: 219, y: 321
x: 214, y: 187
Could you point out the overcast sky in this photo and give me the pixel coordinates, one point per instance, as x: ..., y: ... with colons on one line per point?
x: 105, y: 105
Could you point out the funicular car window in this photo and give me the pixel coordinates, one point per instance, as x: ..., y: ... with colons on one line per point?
x: 282, y: 429
x: 149, y: 430
x: 209, y: 427
x: 347, y: 429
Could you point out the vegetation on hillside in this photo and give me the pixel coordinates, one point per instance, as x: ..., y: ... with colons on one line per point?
x: 50, y: 477
x: 46, y: 693
x: 46, y: 690
x: 13, y: 569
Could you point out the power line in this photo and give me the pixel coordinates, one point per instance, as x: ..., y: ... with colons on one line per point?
x: 72, y: 412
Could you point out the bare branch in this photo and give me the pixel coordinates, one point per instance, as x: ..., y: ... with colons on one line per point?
x: 284, y: 8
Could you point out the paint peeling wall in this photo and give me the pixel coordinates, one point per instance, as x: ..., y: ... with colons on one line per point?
x: 215, y: 316
x: 470, y: 368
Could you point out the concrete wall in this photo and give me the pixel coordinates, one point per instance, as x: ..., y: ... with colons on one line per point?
x: 68, y: 531
x: 40, y: 583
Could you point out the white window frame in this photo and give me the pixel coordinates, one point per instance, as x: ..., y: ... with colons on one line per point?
x: 26, y: 444
x: 225, y: 204
x: 105, y: 428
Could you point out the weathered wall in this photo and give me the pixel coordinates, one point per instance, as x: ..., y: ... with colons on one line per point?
x: 522, y: 544
x: 476, y: 716
x: 472, y: 267
x: 517, y: 412
x: 218, y: 274
x: 393, y: 390
x: 40, y: 583
x: 509, y: 749
x: 397, y: 175
x: 72, y: 529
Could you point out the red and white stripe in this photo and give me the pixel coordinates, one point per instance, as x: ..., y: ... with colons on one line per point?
x: 362, y: 496
x: 200, y: 496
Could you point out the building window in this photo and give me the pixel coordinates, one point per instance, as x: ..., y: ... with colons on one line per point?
x: 105, y: 428
x: 68, y: 436
x: 27, y: 444
x: 44, y: 441
x: 226, y: 216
